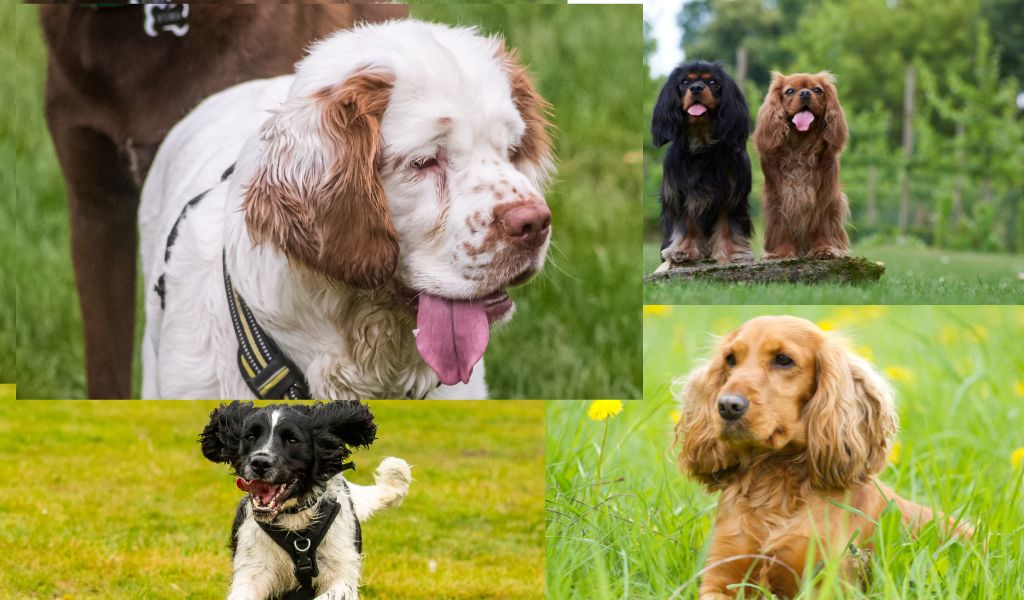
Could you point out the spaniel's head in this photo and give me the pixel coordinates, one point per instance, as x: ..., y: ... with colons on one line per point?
x: 699, y: 98
x: 780, y: 385
x: 802, y: 105
x: 281, y: 454
x: 411, y: 156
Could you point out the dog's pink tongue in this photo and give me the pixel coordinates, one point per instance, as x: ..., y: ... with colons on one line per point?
x: 803, y: 120
x: 452, y: 336
x: 697, y: 109
x: 261, y: 489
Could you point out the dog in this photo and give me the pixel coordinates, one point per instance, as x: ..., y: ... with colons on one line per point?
x: 790, y: 426
x: 800, y: 133
x: 296, y: 533
x: 705, y: 188
x: 350, y: 231
x: 118, y: 77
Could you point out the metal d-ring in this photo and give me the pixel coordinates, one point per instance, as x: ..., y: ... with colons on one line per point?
x: 296, y: 544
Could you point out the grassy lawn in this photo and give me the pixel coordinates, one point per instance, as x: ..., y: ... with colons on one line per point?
x: 912, y: 276
x: 642, y: 532
x: 115, y: 500
x: 575, y: 334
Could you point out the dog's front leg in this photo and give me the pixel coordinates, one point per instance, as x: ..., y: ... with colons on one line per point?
x: 251, y: 583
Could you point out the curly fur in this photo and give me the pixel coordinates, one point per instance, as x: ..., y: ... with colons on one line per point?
x: 816, y: 434
x: 804, y: 208
x: 705, y: 208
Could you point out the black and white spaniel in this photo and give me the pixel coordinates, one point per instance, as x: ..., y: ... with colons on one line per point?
x: 380, y: 203
x: 296, y: 533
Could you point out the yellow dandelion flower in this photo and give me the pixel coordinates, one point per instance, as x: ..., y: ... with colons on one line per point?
x: 604, y: 409
x: 866, y: 353
x: 901, y: 374
x: 1017, y: 458
x: 896, y: 453
x: 1019, y: 386
x: 980, y: 332
x: 827, y: 324
x: 675, y: 416
x: 656, y: 310
x: 949, y: 335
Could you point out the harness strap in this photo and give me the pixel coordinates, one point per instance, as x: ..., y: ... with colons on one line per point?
x: 264, y: 367
x: 301, y: 545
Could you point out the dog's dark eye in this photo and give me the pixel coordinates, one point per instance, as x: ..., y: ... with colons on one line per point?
x: 292, y: 442
x: 817, y: 90
x: 790, y: 92
x: 730, y: 359
x: 781, y: 360
x: 250, y: 438
x: 424, y: 163
x: 712, y: 82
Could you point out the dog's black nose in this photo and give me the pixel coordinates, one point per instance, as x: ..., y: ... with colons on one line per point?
x: 732, y: 407
x: 696, y: 88
x: 805, y: 94
x: 260, y: 463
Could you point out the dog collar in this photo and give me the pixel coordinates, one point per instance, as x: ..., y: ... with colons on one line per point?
x: 264, y: 367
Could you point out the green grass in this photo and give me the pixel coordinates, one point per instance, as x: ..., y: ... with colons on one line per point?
x: 114, y: 500
x: 575, y: 334
x: 643, y: 531
x: 912, y: 276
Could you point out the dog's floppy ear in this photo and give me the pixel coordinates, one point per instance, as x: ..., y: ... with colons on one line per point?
x: 732, y: 123
x: 348, y: 421
x: 849, y: 420
x: 317, y: 194
x: 533, y: 155
x: 835, y: 131
x: 667, y: 122
x: 222, y: 435
x: 771, y: 128
x: 702, y: 454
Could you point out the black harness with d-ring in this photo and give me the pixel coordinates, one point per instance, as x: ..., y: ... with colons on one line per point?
x: 301, y: 545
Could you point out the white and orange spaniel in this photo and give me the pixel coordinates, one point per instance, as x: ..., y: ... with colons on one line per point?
x: 348, y: 231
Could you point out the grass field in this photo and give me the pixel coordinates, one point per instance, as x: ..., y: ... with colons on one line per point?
x: 114, y: 500
x: 575, y: 334
x: 912, y: 276
x: 642, y: 530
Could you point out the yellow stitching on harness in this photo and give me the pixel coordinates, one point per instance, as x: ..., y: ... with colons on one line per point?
x: 273, y: 381
x: 245, y: 327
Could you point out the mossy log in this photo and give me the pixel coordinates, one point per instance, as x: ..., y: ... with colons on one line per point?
x: 849, y: 270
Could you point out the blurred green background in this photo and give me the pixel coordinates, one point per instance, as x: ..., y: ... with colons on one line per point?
x: 114, y: 500
x: 960, y: 217
x: 575, y: 334
x: 641, y: 530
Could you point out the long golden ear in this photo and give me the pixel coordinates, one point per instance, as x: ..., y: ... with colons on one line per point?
x: 701, y: 453
x: 771, y: 128
x: 849, y: 420
x: 317, y: 192
x: 533, y: 155
x: 835, y: 130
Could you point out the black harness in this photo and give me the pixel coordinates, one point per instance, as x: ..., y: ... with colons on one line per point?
x: 301, y: 545
x: 268, y: 372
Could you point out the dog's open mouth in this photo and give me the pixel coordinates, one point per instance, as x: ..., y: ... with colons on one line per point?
x: 267, y: 498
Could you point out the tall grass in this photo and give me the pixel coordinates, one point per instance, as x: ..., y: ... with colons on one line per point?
x: 643, y: 530
x: 575, y: 333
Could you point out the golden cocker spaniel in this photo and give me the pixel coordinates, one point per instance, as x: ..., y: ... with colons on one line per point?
x: 791, y: 427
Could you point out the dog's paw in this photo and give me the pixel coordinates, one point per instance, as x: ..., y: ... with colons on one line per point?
x: 735, y: 256
x: 782, y: 254
x: 826, y: 253
x: 681, y: 254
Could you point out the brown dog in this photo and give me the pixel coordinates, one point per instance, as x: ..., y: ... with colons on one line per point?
x: 792, y: 428
x: 118, y: 79
x: 800, y: 133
